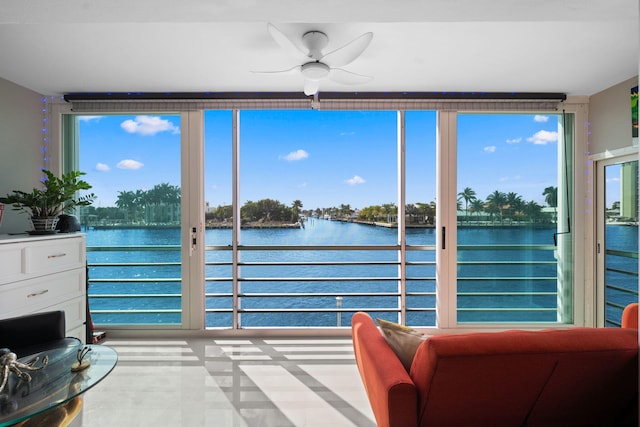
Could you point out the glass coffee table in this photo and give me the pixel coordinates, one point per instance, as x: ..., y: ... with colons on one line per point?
x: 56, y: 384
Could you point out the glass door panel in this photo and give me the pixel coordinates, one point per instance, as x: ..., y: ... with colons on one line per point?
x: 318, y: 198
x: 133, y: 228
x: 420, y: 217
x: 219, y: 212
x: 512, y: 210
x: 620, y: 239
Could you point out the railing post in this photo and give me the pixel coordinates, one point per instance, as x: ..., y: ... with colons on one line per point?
x: 339, y: 306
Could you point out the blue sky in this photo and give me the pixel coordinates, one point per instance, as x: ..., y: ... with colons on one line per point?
x: 323, y: 158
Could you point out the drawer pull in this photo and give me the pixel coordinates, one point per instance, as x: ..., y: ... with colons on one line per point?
x: 35, y: 294
x: 57, y: 255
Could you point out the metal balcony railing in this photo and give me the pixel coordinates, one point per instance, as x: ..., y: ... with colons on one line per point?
x: 621, y: 284
x: 317, y: 286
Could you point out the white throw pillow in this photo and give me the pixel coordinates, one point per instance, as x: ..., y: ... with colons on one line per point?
x: 403, y: 340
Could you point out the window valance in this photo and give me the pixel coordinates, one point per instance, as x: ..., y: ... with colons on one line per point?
x: 177, y: 102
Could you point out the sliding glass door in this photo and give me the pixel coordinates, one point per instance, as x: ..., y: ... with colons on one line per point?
x: 617, y: 245
x: 303, y: 224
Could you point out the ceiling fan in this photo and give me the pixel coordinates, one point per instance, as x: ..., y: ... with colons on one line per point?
x: 317, y: 66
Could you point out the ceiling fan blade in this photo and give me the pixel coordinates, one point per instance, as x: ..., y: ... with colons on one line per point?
x: 287, y: 44
x: 293, y: 70
x: 311, y: 87
x: 347, y: 53
x: 345, y: 77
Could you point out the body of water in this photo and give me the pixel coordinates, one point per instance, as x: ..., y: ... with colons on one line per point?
x: 498, y: 267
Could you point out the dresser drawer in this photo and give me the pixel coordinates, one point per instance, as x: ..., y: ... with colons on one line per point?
x: 11, y: 266
x: 53, y: 255
x: 33, y: 295
x: 75, y: 311
x: 26, y: 259
x: 80, y: 332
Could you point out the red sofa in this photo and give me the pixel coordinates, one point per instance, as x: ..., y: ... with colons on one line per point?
x: 564, y: 378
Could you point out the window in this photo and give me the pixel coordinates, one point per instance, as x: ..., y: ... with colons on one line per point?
x: 310, y: 216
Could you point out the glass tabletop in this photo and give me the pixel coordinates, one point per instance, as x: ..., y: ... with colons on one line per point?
x: 54, y: 385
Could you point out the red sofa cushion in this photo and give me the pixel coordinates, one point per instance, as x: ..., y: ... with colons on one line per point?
x: 574, y: 377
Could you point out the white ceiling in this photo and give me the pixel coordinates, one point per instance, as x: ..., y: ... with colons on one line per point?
x: 577, y: 47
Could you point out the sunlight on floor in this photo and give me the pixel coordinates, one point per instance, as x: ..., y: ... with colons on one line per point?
x: 227, y: 382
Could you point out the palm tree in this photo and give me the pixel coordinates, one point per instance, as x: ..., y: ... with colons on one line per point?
x: 296, y: 206
x: 389, y: 210
x: 477, y: 206
x: 410, y: 212
x: 427, y: 211
x: 140, y: 203
x: 551, y: 196
x: 468, y: 195
x: 514, y: 203
x: 127, y: 202
x: 497, y: 201
x: 125, y: 199
x: 532, y: 210
x: 163, y: 193
x: 345, y: 211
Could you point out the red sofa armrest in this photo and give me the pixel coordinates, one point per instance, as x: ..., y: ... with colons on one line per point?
x: 630, y: 316
x: 391, y: 392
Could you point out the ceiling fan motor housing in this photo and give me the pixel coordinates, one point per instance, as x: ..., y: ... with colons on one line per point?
x: 315, y: 41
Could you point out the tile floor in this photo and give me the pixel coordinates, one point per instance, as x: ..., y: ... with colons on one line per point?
x: 230, y: 382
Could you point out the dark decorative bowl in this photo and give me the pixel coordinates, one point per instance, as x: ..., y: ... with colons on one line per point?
x: 68, y: 223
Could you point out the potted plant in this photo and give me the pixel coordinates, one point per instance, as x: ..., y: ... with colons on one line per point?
x: 57, y: 196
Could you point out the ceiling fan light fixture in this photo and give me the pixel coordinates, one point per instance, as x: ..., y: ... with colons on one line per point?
x: 315, y: 70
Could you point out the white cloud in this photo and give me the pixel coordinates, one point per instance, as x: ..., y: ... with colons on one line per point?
x: 295, y: 156
x: 540, y: 119
x: 514, y: 141
x: 490, y: 149
x: 149, y: 125
x: 543, y: 137
x: 355, y: 180
x: 102, y: 167
x: 129, y: 164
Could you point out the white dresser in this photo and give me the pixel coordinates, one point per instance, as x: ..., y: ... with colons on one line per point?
x: 44, y: 273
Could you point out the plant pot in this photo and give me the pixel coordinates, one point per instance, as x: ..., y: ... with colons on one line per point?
x: 44, y: 224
